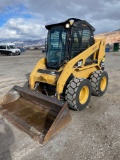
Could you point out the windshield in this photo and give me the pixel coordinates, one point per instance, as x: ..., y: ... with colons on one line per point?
x: 12, y: 46
x: 56, y: 46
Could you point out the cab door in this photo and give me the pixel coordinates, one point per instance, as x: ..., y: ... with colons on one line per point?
x: 75, y: 42
x: 81, y: 39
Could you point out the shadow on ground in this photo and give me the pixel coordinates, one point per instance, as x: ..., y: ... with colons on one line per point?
x: 6, y: 140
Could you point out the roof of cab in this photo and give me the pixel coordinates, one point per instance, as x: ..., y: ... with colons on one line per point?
x: 76, y: 23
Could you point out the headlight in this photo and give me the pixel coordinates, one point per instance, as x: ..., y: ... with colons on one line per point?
x: 67, y: 25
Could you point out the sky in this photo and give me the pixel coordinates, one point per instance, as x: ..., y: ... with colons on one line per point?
x: 25, y: 19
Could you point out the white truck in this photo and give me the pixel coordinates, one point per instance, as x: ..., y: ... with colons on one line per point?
x: 9, y: 49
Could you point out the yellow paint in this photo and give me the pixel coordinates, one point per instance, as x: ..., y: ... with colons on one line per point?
x: 71, y: 22
x: 41, y: 77
x: 98, y: 51
x: 84, y: 94
x: 103, y: 83
x: 86, y: 71
x: 34, y: 75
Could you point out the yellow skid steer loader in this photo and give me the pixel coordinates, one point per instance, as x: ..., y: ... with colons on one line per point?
x: 71, y: 72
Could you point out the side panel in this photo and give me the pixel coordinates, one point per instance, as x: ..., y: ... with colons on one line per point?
x: 98, y: 49
x: 86, y: 72
x: 101, y: 50
x: 33, y: 75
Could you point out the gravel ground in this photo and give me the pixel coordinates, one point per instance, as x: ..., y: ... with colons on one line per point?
x: 93, y: 134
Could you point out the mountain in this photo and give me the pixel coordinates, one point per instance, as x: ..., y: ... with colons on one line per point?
x: 25, y: 43
x: 118, y: 29
x: 111, y: 37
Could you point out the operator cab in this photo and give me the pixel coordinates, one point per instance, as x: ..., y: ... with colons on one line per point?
x: 66, y: 40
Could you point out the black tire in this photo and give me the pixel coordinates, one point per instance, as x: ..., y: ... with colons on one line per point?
x: 11, y: 54
x: 75, y: 88
x: 99, y: 82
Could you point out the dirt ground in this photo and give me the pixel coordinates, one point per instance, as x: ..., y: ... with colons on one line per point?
x: 93, y: 134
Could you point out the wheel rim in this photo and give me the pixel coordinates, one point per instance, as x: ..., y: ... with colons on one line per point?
x: 84, y: 94
x: 103, y: 83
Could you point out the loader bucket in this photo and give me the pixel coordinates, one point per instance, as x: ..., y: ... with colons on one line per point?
x: 38, y: 115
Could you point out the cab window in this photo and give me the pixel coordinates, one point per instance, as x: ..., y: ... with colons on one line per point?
x: 80, y: 41
x: 76, y: 42
x: 3, y: 47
